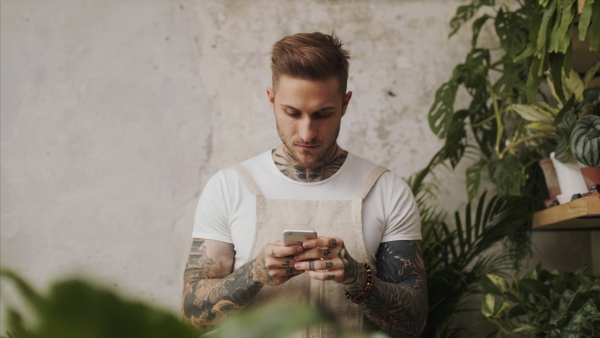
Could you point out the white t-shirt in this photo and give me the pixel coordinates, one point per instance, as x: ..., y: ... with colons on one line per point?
x: 227, y: 208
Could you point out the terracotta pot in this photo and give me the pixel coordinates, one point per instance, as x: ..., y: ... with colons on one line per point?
x: 591, y: 176
x: 551, y: 178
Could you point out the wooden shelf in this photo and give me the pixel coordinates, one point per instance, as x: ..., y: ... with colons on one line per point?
x: 582, y: 213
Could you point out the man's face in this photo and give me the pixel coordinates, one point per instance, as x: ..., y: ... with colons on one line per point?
x: 308, y: 115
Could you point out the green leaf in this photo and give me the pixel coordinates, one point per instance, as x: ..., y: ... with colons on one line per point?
x: 548, y: 17
x: 595, y: 28
x: 589, y: 75
x: 534, y: 286
x: 591, y: 98
x: 456, y: 138
x: 584, y: 20
x: 577, y: 324
x: 556, y: 68
x: 488, y: 304
x: 494, y: 284
x: 477, y: 29
x: 274, y: 321
x: 463, y: 14
x: 533, y: 80
x: 29, y: 294
x: 533, y: 113
x: 442, y: 110
x: 474, y: 178
x: 566, y: 108
x: 573, y: 85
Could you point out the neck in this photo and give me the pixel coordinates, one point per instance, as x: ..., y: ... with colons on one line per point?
x: 289, y: 166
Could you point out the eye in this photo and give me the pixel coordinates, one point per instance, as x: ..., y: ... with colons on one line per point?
x: 324, y: 114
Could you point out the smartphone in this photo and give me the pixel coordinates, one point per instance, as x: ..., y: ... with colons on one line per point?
x: 293, y: 237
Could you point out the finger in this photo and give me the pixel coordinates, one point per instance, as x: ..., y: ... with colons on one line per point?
x: 279, y: 263
x: 315, y: 253
x: 325, y: 275
x: 318, y: 265
x: 321, y: 241
x: 281, y: 273
x: 275, y: 250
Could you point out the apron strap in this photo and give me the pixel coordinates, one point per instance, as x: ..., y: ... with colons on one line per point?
x: 250, y: 182
x: 370, y: 182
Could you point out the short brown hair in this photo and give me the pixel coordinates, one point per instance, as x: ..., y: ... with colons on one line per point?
x: 310, y: 56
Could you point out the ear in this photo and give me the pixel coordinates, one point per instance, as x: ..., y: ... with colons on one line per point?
x: 271, y: 96
x: 347, y: 98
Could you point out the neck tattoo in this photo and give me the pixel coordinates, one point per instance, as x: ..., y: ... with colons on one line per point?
x: 285, y: 162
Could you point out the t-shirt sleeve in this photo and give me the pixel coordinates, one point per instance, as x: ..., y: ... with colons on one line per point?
x: 404, y: 221
x: 212, y: 213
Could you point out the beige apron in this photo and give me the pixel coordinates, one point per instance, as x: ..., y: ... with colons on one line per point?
x: 329, y: 218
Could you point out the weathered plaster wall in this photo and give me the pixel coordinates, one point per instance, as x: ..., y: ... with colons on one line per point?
x: 115, y: 113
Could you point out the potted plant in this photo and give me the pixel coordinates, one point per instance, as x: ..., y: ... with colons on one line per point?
x: 548, y: 129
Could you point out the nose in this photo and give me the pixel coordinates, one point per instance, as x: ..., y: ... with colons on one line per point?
x: 307, y: 130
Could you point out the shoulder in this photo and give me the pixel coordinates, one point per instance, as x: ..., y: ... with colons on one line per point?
x: 388, y: 182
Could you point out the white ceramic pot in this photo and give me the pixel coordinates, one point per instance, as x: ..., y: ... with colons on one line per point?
x: 569, y: 178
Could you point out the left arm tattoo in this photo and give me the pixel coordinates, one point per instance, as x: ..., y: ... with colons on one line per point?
x: 398, y: 303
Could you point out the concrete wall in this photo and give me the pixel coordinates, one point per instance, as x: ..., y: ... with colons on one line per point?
x: 115, y: 113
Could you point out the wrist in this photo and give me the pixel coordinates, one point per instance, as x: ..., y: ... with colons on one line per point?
x: 357, y: 284
x: 361, y: 294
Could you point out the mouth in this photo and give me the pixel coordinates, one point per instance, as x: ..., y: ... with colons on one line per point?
x: 306, y: 147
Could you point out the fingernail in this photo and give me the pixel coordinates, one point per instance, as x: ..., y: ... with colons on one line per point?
x: 297, y: 266
x: 300, y: 249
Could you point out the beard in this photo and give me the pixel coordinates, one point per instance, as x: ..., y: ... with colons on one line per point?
x: 304, y: 158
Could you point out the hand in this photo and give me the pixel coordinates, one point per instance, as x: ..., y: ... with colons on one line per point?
x: 326, y: 258
x: 275, y: 264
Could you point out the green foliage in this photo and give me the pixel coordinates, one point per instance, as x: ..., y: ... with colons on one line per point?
x: 458, y: 257
x: 493, y: 83
x: 501, y: 126
x: 78, y: 309
x: 550, y: 44
x: 556, y: 303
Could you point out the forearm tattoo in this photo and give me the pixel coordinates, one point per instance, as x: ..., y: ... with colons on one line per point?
x: 207, y: 300
x: 398, y: 303
x: 286, y: 163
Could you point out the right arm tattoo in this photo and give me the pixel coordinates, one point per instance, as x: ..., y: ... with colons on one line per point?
x: 211, y: 292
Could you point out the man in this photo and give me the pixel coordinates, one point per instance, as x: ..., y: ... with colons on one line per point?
x: 365, y: 216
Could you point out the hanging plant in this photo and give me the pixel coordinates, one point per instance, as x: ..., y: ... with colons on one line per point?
x: 550, y: 45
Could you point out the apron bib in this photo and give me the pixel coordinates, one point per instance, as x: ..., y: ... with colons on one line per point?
x: 328, y: 218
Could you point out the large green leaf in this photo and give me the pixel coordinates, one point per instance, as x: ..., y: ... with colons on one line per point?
x: 474, y: 178
x: 584, y: 19
x: 534, y: 113
x: 494, y: 284
x: 440, y: 113
x: 477, y: 24
x: 595, y: 28
x: 274, y: 322
x: 77, y: 309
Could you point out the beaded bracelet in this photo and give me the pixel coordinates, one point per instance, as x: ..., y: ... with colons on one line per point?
x: 361, y: 296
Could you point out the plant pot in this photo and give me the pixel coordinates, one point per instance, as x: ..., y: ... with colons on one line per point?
x: 551, y: 178
x: 570, y: 178
x: 591, y: 176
